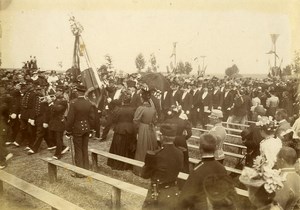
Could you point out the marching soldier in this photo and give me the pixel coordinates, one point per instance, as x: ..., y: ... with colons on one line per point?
x: 162, y: 167
x: 26, y: 116
x: 80, y: 120
x: 41, y: 109
x: 14, y: 122
x: 56, y: 125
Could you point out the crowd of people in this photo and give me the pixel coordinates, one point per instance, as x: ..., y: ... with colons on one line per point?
x: 37, y: 105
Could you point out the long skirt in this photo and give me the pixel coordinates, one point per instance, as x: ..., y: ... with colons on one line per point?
x: 146, y: 141
x: 123, y: 145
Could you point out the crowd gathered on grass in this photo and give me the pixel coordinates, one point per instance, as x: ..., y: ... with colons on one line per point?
x: 153, y: 125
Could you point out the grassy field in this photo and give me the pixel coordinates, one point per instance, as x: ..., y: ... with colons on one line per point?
x: 86, y: 192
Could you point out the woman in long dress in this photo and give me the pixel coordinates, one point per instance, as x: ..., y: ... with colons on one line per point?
x: 124, y: 137
x: 145, y: 118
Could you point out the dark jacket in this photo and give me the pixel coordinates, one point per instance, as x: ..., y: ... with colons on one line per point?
x: 163, y: 164
x: 123, y: 119
x: 81, y: 117
x: 192, y: 195
x: 55, y: 116
x: 27, y: 105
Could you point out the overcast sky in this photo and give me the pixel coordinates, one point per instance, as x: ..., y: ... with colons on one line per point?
x: 225, y: 35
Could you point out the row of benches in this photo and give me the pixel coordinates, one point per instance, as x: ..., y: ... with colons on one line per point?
x: 57, y: 202
x: 117, y: 185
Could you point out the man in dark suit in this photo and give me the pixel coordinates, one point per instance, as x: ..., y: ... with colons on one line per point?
x: 216, y: 97
x: 187, y: 100
x: 227, y: 102
x: 192, y: 195
x: 205, y: 105
x: 162, y: 167
x: 136, y: 99
x: 196, y: 93
x: 176, y: 93
x: 80, y: 120
x: 166, y: 102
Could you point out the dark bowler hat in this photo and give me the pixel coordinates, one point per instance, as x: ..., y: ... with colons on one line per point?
x: 168, y: 129
x: 81, y: 88
x: 131, y: 83
x: 60, y: 88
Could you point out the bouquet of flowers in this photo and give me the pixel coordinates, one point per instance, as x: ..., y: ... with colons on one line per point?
x: 262, y: 174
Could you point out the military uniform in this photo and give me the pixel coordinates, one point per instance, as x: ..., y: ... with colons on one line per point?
x: 41, y: 109
x: 57, y: 124
x: 26, y: 115
x: 14, y: 122
x: 80, y: 120
x: 162, y: 167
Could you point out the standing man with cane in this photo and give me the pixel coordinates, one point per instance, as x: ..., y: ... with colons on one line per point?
x: 80, y: 120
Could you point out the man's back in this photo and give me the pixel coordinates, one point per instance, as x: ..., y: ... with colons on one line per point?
x: 193, y: 195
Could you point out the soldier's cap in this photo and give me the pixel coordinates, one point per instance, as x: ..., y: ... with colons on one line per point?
x: 215, y: 113
x: 81, y: 88
x: 168, y: 129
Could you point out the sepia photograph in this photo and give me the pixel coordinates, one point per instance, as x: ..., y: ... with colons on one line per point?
x: 150, y: 105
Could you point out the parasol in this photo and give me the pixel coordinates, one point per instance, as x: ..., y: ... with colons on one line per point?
x: 156, y: 81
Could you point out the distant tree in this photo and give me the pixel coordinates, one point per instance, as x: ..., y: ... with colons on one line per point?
x: 287, y: 70
x: 108, y: 60
x: 153, y: 63
x: 180, y: 68
x: 232, y: 71
x: 140, y: 62
x: 188, y: 67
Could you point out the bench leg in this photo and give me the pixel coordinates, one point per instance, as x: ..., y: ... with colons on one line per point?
x: 1, y: 187
x: 116, y: 198
x: 94, y: 161
x: 52, y: 172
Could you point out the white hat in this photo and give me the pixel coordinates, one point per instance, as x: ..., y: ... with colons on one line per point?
x: 215, y: 113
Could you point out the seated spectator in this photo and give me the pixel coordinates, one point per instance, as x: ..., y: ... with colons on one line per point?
x: 283, y: 124
x: 289, y: 196
x: 220, y: 193
x: 252, y: 137
x: 219, y: 132
x: 192, y: 195
x: 262, y: 183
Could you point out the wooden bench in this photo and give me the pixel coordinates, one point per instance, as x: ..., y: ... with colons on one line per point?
x: 227, y: 129
x: 117, y: 185
x: 235, y: 124
x: 204, y: 131
x: 226, y: 143
x: 183, y: 176
x: 54, y: 201
x: 191, y: 146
